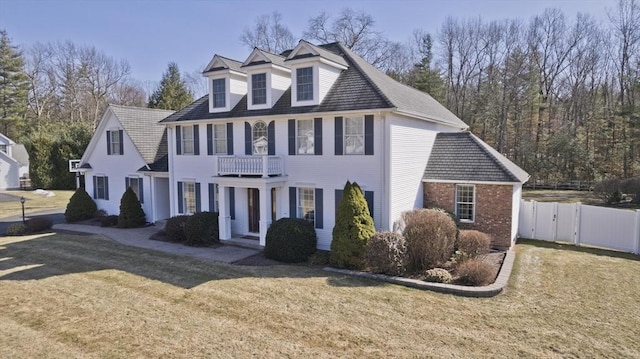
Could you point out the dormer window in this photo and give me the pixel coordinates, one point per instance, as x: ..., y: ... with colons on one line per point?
x: 304, y: 79
x: 259, y: 89
x: 219, y: 93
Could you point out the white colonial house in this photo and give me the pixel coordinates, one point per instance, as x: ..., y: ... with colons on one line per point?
x: 279, y: 136
x: 14, y: 163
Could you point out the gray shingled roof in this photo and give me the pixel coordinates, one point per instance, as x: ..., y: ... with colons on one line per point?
x: 360, y: 87
x: 141, y: 124
x: 20, y: 154
x: 322, y: 52
x: 234, y: 65
x: 273, y: 59
x: 461, y: 156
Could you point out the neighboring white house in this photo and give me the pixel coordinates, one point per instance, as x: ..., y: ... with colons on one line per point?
x: 14, y: 163
x: 126, y: 140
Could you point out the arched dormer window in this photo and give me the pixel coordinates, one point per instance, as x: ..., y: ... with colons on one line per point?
x: 259, y: 138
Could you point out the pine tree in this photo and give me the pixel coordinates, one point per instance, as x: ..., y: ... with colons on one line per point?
x: 131, y: 212
x: 354, y: 226
x: 14, y: 88
x: 80, y: 206
x: 173, y: 93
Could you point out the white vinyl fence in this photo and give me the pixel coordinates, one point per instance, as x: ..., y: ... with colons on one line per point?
x: 576, y: 223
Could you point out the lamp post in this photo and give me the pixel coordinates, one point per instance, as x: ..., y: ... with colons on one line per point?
x: 22, y: 200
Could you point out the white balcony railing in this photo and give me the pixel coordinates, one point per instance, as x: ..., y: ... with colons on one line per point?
x: 264, y: 166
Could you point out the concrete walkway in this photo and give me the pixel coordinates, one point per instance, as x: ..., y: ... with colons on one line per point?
x: 139, y: 237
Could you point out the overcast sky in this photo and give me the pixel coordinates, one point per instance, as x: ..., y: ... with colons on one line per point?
x: 151, y: 33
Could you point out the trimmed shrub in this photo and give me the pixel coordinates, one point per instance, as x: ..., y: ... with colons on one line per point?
x: 16, y: 229
x: 174, y: 228
x: 319, y: 258
x: 290, y: 240
x: 80, y: 206
x: 201, y: 229
x: 39, y: 224
x: 109, y: 221
x: 386, y: 252
x: 354, y: 226
x: 100, y: 213
x: 430, y: 236
x: 471, y: 244
x: 131, y: 212
x: 475, y: 272
x: 437, y: 275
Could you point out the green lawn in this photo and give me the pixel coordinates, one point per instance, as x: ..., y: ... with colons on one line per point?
x: 34, y: 202
x: 84, y: 296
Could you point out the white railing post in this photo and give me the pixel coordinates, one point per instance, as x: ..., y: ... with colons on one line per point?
x: 636, y: 250
x: 265, y: 166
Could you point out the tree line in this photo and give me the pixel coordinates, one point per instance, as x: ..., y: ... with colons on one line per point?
x: 558, y: 96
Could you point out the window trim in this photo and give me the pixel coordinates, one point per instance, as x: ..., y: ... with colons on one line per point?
x: 253, y: 139
x: 305, y: 84
x: 184, y: 139
x: 300, y: 213
x: 458, y: 202
x: 185, y: 201
x: 220, y: 138
x: 345, y: 135
x: 115, y: 142
x: 216, y: 95
x: 104, y: 187
x: 136, y: 188
x: 299, y: 137
x: 254, y: 89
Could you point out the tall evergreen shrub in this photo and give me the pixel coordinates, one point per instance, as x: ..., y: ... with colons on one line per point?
x: 131, y: 212
x: 80, y: 206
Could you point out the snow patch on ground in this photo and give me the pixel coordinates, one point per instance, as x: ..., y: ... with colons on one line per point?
x: 44, y: 193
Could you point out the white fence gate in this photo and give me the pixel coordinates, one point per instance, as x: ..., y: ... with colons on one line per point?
x: 576, y: 223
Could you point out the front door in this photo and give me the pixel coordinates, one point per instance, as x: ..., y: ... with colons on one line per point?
x: 254, y: 210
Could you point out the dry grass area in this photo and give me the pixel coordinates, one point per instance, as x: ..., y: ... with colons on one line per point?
x: 561, y: 196
x: 83, y: 296
x: 34, y: 202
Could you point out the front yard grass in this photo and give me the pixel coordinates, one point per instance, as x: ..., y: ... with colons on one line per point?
x: 83, y: 296
x: 34, y: 202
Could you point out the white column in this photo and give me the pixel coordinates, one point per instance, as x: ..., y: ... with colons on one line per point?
x: 265, y: 213
x: 152, y: 194
x: 224, y: 218
x: 265, y: 167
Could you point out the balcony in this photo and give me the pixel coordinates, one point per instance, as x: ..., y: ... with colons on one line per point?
x: 264, y: 166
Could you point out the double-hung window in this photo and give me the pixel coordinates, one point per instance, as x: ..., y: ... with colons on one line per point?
x: 219, y: 93
x: 304, y: 83
x: 465, y: 202
x: 135, y: 183
x: 220, y: 138
x: 305, y: 137
x: 101, y: 187
x: 354, y: 135
x: 187, y: 140
x: 260, y: 139
x: 189, y: 197
x: 306, y: 204
x: 259, y: 89
x: 114, y: 145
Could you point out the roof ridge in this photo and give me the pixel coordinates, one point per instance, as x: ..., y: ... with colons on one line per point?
x: 228, y: 58
x: 476, y: 140
x: 138, y: 107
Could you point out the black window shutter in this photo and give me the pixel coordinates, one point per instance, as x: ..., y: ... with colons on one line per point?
x: 212, y: 197
x: 196, y: 139
x: 229, y: 138
x: 178, y: 142
x: 95, y: 187
x: 180, y: 199
x: 121, y: 136
x: 319, y: 210
x: 368, y: 195
x: 271, y: 138
x: 291, y: 125
x: 317, y: 136
x: 108, y: 143
x: 338, y: 199
x: 209, y: 139
x: 338, y: 130
x: 368, y: 135
x: 232, y: 202
x: 106, y: 188
x: 247, y: 139
x: 141, y: 189
x: 198, y: 198
x: 292, y: 202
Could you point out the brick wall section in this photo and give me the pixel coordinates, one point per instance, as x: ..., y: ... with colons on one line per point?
x: 493, y: 208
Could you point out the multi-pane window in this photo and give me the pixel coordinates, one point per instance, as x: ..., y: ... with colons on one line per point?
x: 220, y: 138
x: 134, y: 184
x: 218, y: 93
x: 354, y: 135
x: 465, y: 202
x: 306, y: 204
x: 101, y: 187
x: 304, y: 137
x: 260, y: 139
x: 115, y: 142
x: 304, y: 81
x: 187, y: 140
x: 189, y: 197
x: 259, y: 89
x: 3, y: 148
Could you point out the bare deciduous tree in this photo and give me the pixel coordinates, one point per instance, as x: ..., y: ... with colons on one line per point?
x: 269, y: 34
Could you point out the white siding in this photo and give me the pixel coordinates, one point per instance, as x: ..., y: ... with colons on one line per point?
x: 237, y: 89
x: 327, y: 76
x: 9, y: 172
x: 280, y: 82
x: 515, y: 210
x: 411, y: 142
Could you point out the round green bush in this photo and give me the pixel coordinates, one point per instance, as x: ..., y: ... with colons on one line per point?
x: 386, y: 252
x: 174, y: 229
x: 108, y: 221
x: 475, y: 272
x: 131, y: 212
x: 437, y: 275
x: 16, y: 229
x: 290, y: 240
x: 80, y: 207
x: 201, y: 229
